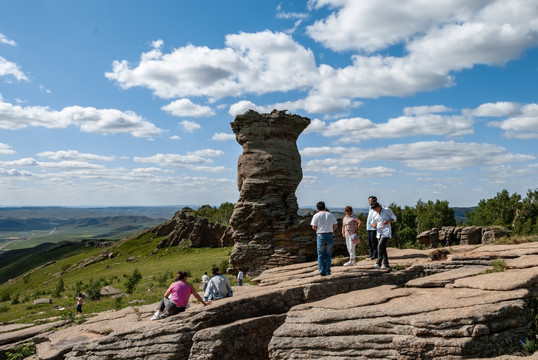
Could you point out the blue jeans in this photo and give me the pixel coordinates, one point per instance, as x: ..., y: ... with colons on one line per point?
x: 325, y: 250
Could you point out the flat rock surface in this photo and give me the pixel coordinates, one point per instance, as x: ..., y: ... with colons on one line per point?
x: 448, y: 309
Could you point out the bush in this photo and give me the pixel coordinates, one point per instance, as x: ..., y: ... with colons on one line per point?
x: 15, y: 300
x: 5, y: 297
x: 132, y: 281
x: 20, y: 352
x: 118, y: 302
x: 94, y: 290
x: 59, y: 289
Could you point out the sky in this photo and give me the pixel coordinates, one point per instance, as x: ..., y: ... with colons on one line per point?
x: 129, y: 102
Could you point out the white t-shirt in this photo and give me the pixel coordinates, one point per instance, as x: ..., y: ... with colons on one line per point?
x: 324, y: 220
x: 384, y: 215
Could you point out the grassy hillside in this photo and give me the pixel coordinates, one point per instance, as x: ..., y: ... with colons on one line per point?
x: 61, y: 281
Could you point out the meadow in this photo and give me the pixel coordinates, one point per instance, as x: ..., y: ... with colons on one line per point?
x: 137, y: 269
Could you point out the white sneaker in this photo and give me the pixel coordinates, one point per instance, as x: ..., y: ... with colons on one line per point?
x: 349, y: 263
x: 353, y: 262
x: 376, y: 266
x: 156, y: 315
x: 384, y: 267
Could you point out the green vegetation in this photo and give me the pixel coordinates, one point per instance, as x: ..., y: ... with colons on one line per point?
x: 220, y: 215
x: 508, y: 211
x: 146, y: 278
x: 20, y: 352
x: 498, y: 266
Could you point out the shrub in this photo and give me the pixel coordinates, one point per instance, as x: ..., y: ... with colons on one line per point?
x: 93, y: 289
x: 15, y: 300
x: 59, y: 289
x: 4, y: 308
x: 20, y: 352
x: 118, y: 302
x: 5, y: 297
x: 132, y: 280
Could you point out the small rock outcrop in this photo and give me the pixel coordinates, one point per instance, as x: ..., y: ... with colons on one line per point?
x: 185, y: 228
x: 269, y: 171
x: 466, y: 235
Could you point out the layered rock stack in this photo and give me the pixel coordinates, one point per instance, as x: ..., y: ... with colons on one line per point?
x: 269, y: 170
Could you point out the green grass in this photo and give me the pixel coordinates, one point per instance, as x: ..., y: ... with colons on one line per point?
x: 158, y: 269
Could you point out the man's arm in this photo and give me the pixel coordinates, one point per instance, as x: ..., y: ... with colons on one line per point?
x: 315, y: 227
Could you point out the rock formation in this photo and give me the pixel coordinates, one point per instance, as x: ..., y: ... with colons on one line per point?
x: 186, y: 229
x: 466, y: 235
x: 451, y: 309
x: 269, y: 171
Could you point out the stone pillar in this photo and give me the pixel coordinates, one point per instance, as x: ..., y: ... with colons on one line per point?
x: 269, y: 171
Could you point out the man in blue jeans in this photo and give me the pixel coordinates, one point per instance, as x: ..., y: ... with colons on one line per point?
x: 324, y: 223
x: 372, y: 232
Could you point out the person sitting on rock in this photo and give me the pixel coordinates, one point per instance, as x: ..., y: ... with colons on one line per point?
x: 218, y: 286
x: 180, y: 292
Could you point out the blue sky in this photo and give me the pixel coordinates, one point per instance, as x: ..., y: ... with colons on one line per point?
x: 130, y: 102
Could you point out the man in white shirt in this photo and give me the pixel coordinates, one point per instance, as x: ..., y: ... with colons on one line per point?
x: 381, y: 221
x: 324, y: 223
x: 240, y: 278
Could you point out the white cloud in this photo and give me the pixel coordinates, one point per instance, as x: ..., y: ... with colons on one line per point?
x: 20, y: 162
x: 522, y: 122
x: 419, y: 121
x: 440, y: 155
x: 185, y: 107
x: 6, y: 149
x: 70, y: 165
x: 439, y: 38
x: 259, y: 63
x: 223, y: 136
x: 89, y: 119
x: 13, y: 173
x: 10, y: 68
x: 352, y: 172
x: 74, y: 155
x: 174, y: 160
x: 207, y: 152
x: 497, y: 109
x: 5, y: 40
x: 190, y: 126
x: 175, y: 137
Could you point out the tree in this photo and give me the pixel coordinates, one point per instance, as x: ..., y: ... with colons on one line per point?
x: 433, y: 215
x: 498, y: 211
x: 526, y: 219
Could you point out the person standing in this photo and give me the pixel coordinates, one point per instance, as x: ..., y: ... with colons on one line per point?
x: 381, y: 221
x: 205, y: 280
x: 80, y: 300
x: 372, y: 232
x: 324, y: 223
x: 350, y: 227
x: 240, y: 278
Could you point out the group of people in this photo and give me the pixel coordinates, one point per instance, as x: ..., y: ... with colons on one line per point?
x: 176, y: 298
x: 378, y: 227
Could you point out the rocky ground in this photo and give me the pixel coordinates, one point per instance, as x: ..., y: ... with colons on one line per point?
x: 452, y: 308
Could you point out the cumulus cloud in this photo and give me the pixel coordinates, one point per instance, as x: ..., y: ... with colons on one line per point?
x: 418, y: 121
x: 88, y: 119
x: 441, y: 155
x: 14, y: 173
x: 207, y: 152
x: 73, y: 155
x: 222, y: 136
x: 190, y: 126
x: 352, y: 172
x: 6, y: 149
x: 439, y: 38
x: 250, y: 63
x: 185, y: 107
x: 10, y: 68
x: 521, y: 122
